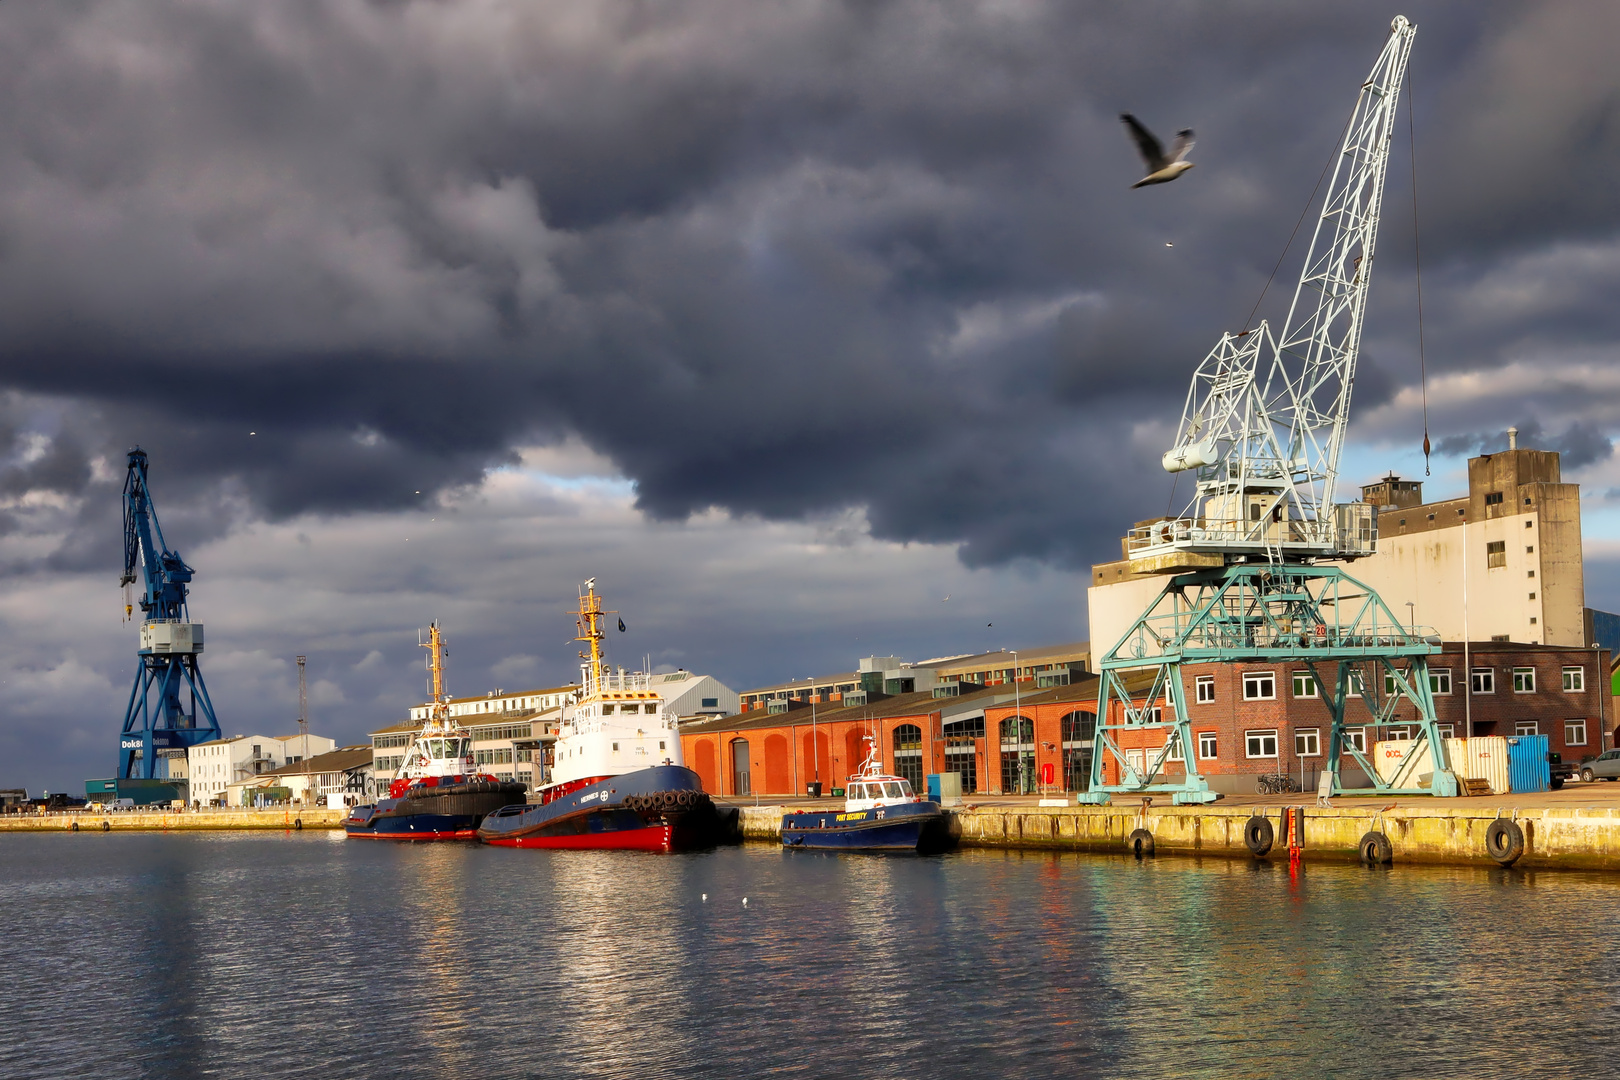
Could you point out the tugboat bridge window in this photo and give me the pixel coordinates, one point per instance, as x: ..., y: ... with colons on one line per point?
x: 1079, y: 735
x: 962, y: 750
x: 1017, y: 756
x: 908, y: 754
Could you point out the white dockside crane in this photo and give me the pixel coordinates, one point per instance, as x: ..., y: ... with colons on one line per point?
x: 1254, y: 552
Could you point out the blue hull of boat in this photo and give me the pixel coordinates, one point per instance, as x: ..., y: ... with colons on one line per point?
x: 922, y: 827
x: 607, y: 815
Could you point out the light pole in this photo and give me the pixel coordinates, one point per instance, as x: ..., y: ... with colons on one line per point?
x: 1018, y: 713
x: 815, y: 746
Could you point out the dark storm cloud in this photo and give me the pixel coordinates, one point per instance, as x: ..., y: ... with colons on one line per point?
x: 1579, y: 444
x: 776, y: 259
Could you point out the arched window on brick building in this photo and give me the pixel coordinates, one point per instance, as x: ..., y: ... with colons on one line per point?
x: 1079, y: 734
x: 908, y: 754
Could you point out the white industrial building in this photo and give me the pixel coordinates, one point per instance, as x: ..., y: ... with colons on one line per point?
x: 213, y: 766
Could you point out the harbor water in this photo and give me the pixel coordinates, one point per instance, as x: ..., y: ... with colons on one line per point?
x: 302, y: 954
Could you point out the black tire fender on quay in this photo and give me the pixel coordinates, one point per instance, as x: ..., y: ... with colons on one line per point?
x: 1258, y: 835
x: 74, y: 826
x: 298, y: 823
x: 1375, y: 849
x: 106, y: 826
x: 1140, y: 844
x: 1504, y: 841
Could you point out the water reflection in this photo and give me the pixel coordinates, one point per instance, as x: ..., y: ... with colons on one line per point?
x: 276, y: 956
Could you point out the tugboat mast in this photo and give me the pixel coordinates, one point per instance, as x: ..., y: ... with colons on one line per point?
x: 438, y: 707
x: 589, y: 621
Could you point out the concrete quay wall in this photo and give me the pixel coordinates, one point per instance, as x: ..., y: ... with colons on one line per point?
x: 174, y: 821
x: 1555, y: 837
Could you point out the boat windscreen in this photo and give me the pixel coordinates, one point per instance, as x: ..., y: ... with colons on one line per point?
x: 857, y: 791
x: 436, y: 747
x: 892, y: 790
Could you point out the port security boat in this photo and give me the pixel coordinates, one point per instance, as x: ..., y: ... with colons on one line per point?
x: 437, y: 793
x: 618, y: 779
x: 881, y: 813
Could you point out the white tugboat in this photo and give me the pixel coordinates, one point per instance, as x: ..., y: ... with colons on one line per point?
x: 618, y: 779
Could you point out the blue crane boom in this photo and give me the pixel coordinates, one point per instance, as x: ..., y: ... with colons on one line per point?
x: 162, y: 720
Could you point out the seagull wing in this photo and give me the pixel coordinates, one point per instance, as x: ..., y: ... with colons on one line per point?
x: 1152, y: 153
x: 1182, y: 146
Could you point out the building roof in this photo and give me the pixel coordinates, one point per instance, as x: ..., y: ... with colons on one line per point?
x: 341, y: 760
x: 403, y: 725
x: 806, y: 684
x: 880, y: 707
x: 492, y: 694
x: 1004, y: 656
x: 1082, y: 690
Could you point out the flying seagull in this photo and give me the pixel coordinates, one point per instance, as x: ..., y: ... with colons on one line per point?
x: 1161, y: 168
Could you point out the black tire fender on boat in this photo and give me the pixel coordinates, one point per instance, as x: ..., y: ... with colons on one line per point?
x: 1375, y: 849
x: 1140, y: 844
x: 1504, y: 841
x: 1258, y: 835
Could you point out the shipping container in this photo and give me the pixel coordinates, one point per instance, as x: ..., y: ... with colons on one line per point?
x: 1388, y: 756
x: 1487, y: 757
x: 1404, y: 763
x: 1527, y: 763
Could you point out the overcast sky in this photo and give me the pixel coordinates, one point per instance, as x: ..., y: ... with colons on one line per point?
x: 785, y: 321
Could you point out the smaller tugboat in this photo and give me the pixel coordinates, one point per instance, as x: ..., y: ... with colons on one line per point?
x: 618, y: 781
x: 881, y: 813
x: 437, y: 792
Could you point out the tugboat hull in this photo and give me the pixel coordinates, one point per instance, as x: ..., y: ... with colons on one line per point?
x: 658, y: 809
x: 446, y: 812
x: 921, y: 827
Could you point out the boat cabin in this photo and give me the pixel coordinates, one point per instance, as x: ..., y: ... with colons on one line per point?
x: 867, y: 791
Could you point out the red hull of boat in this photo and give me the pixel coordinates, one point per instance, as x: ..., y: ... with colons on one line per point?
x: 652, y: 838
x: 457, y: 834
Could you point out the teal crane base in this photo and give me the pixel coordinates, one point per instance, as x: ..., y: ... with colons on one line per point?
x: 1336, y: 628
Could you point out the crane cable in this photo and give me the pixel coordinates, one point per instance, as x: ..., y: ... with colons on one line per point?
x: 1417, y: 256
x: 1309, y: 202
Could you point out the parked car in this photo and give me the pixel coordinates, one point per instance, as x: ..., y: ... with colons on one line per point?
x: 1606, y: 766
x: 1558, y: 770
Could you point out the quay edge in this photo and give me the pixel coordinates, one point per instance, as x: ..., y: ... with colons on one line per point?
x: 1570, y: 838
x: 177, y: 820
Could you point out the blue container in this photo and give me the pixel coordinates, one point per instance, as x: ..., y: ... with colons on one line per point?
x: 1527, y: 763
x: 933, y: 787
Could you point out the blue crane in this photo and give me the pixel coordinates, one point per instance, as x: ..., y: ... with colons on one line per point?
x: 158, y: 721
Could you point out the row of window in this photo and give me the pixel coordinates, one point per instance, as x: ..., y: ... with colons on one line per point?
x: 1308, y: 741
x: 1262, y: 685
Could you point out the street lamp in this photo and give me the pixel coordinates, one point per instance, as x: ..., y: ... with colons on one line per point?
x: 1018, y: 713
x: 815, y: 746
